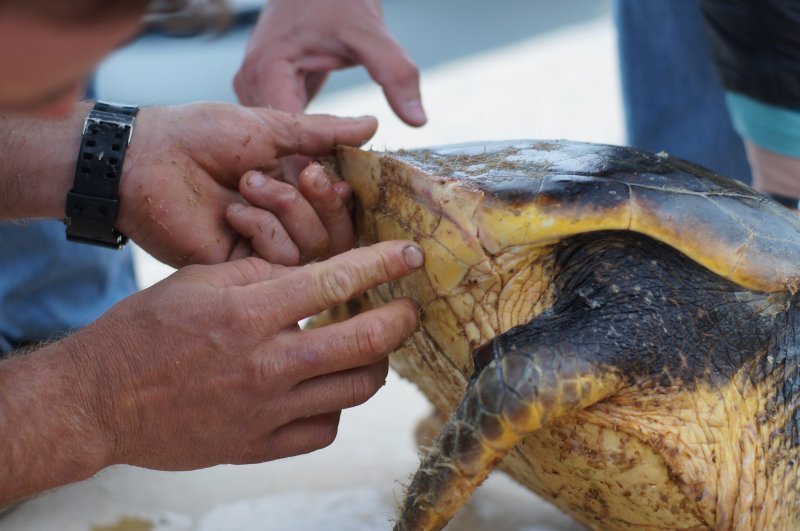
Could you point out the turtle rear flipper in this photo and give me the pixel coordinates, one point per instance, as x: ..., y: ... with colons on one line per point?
x: 518, y: 387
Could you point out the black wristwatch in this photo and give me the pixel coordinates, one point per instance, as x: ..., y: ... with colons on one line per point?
x: 93, y: 202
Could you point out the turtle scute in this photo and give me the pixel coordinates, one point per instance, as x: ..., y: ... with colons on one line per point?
x: 618, y: 330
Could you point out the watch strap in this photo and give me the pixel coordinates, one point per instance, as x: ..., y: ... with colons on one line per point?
x: 93, y: 201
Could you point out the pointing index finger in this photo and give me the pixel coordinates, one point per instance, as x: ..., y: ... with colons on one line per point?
x: 316, y: 287
x: 316, y: 134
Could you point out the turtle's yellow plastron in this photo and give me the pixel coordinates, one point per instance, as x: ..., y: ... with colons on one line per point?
x: 617, y: 330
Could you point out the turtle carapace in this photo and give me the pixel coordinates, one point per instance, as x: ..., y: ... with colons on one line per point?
x: 616, y: 329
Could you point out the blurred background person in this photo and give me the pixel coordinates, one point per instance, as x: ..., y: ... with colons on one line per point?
x: 673, y: 98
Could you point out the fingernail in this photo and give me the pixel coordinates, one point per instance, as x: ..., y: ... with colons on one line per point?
x: 255, y: 180
x: 416, y: 113
x: 413, y: 256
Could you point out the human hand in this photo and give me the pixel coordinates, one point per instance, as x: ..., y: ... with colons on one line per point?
x: 209, y: 366
x: 296, y: 43
x: 183, y: 170
x: 287, y: 225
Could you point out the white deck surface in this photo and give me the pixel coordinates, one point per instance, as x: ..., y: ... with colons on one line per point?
x: 560, y: 85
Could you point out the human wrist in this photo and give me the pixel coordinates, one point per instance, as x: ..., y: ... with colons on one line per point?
x: 38, y: 164
x: 54, y: 433
x: 85, y: 355
x: 133, y: 200
x: 92, y: 204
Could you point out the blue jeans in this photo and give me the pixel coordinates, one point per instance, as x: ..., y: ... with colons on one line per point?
x: 672, y: 97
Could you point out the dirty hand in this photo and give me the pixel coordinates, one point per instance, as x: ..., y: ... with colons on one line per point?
x: 209, y: 366
x: 179, y: 192
x: 289, y: 226
x: 205, y: 367
x: 296, y: 43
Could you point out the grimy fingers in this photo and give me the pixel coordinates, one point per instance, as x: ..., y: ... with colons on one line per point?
x: 303, y: 435
x: 319, y: 286
x: 315, y: 135
x: 359, y: 341
x: 337, y: 391
x: 297, y: 437
x: 264, y: 234
x: 329, y: 207
x: 296, y: 215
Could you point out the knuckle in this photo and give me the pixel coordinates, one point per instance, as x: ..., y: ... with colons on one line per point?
x: 247, y: 72
x: 384, y: 270
x: 324, y: 435
x: 239, y: 84
x: 336, y: 285
x: 251, y: 267
x: 362, y: 387
x: 191, y: 271
x: 298, y: 132
x: 262, y: 373
x: 407, y: 73
x: 333, y: 212
x: 410, y: 315
x: 267, y: 225
x: 371, y: 338
x: 371, y: 379
x: 286, y: 197
x: 245, y: 82
x: 403, y: 74
x: 241, y: 314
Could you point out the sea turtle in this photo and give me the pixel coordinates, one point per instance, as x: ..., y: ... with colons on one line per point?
x: 616, y: 329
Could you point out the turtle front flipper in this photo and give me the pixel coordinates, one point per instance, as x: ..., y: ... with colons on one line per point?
x: 519, y: 385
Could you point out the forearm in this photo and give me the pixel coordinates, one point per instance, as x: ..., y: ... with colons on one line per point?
x: 772, y: 140
x: 37, y: 164
x: 49, y: 438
